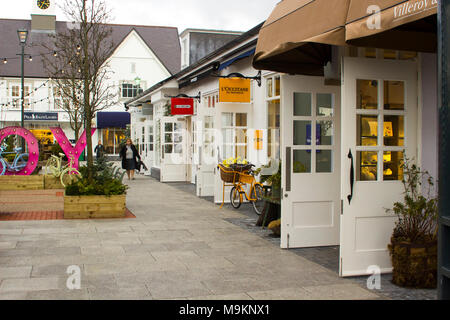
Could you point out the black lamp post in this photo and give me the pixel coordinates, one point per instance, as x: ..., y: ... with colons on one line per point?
x: 23, y: 36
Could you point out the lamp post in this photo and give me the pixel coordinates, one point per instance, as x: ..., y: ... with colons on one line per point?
x: 23, y: 36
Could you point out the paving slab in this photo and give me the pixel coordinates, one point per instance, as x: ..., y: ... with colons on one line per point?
x: 178, y: 247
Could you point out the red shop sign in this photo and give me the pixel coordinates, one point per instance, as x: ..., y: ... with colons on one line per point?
x: 182, y: 106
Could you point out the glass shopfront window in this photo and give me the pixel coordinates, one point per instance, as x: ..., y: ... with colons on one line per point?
x: 380, y: 127
x: 112, y: 137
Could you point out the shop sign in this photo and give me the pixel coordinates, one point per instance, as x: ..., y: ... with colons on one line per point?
x: 40, y: 116
x: 70, y: 151
x: 182, y: 106
x: 234, y: 90
x: 258, y: 139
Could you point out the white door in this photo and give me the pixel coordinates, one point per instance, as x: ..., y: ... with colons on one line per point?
x: 207, y: 153
x: 150, y: 142
x: 379, y: 121
x: 310, y: 139
x: 173, y: 163
x: 232, y: 122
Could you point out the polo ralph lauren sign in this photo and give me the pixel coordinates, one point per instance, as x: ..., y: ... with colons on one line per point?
x: 41, y: 116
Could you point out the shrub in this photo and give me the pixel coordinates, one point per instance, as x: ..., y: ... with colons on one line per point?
x: 106, y: 180
x: 418, y: 213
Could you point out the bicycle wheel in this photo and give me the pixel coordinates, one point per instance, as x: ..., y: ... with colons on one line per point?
x: 52, y: 167
x: 68, y: 176
x: 235, y: 198
x: 258, y: 204
x: 2, y: 167
x: 21, y: 162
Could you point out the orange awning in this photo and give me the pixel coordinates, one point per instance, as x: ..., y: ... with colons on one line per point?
x: 298, y: 35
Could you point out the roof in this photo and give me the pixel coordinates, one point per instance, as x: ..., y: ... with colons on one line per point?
x: 192, y: 30
x: 163, y: 41
x: 209, y: 59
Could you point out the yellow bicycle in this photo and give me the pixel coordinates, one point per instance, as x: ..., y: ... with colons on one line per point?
x: 246, y: 176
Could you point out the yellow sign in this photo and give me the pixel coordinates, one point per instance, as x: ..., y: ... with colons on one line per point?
x: 258, y: 139
x: 234, y: 90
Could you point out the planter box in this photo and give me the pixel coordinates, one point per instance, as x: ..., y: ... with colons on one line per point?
x: 51, y: 182
x: 85, y: 207
x: 414, y: 265
x: 11, y: 183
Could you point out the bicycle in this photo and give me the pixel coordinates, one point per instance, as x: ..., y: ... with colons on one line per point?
x: 19, y: 163
x: 64, y: 173
x: 240, y: 175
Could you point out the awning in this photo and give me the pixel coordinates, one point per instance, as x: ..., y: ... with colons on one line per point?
x: 297, y: 36
x: 113, y: 120
x: 240, y: 57
x: 401, y: 25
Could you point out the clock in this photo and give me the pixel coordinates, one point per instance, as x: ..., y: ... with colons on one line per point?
x: 43, y: 4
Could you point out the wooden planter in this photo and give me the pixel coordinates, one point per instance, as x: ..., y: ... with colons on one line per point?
x: 414, y: 265
x: 50, y: 182
x: 11, y: 183
x: 86, y: 207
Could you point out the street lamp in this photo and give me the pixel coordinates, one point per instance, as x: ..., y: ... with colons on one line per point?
x: 23, y: 36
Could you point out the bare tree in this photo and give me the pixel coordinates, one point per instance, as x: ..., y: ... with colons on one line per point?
x: 80, y: 67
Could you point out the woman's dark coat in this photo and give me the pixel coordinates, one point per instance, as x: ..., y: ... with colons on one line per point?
x: 123, y: 155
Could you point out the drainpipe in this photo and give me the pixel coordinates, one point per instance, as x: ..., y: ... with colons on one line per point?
x: 444, y: 149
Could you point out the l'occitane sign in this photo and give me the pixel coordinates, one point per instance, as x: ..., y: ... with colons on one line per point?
x: 234, y: 90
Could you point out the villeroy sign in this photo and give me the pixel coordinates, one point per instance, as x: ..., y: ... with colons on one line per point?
x: 413, y: 7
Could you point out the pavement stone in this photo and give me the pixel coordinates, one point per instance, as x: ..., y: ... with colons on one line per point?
x: 182, y: 247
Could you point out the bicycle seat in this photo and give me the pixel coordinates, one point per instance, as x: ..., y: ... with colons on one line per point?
x: 61, y: 154
x: 17, y: 150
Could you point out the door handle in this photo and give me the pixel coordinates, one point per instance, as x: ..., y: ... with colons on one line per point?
x: 352, y: 177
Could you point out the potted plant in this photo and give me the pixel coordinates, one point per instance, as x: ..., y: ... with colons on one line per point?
x: 275, y: 182
x: 103, y: 196
x: 413, y: 246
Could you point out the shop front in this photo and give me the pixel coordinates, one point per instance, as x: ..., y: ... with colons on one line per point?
x: 349, y: 116
x: 112, y: 127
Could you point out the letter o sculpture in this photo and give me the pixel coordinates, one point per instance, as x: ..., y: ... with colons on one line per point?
x: 33, y: 149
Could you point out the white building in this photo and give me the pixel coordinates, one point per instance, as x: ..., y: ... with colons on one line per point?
x: 143, y: 56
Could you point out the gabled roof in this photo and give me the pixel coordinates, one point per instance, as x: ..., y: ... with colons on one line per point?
x: 163, y: 41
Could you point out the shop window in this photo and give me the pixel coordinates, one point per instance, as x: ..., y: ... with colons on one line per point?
x: 112, y: 139
x: 390, y: 54
x: 208, y: 137
x: 173, y: 138
x: 234, y: 133
x: 302, y: 104
x: 407, y: 55
x: 367, y: 94
x: 370, y: 53
x: 273, y: 129
x: 150, y: 139
x: 380, y: 130
x: 313, y: 132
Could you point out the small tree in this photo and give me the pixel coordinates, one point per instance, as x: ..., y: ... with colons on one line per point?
x: 80, y: 69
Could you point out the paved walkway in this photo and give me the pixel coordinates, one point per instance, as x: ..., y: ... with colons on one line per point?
x: 178, y: 247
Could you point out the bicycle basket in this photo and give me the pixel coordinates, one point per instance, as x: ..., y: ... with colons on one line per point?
x: 227, y: 174
x: 241, y: 167
x: 246, y: 178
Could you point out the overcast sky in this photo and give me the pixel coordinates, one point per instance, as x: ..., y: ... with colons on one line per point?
x: 239, y: 15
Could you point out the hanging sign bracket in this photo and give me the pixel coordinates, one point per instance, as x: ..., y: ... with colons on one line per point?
x: 257, y: 78
x: 182, y: 95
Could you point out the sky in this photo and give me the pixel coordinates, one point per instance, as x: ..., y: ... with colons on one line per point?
x: 236, y: 15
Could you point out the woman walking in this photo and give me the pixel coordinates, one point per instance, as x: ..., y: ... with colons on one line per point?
x: 129, y: 155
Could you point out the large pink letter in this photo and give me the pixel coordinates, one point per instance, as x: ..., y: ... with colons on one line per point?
x: 33, y: 149
x: 71, y: 152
